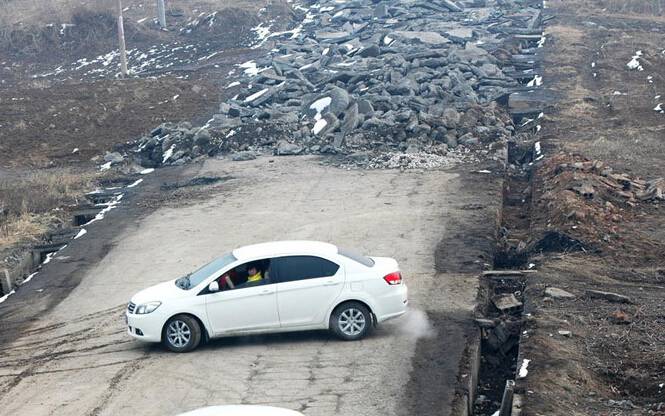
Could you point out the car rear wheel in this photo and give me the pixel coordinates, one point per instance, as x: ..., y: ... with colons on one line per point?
x: 351, y: 321
x: 182, y: 333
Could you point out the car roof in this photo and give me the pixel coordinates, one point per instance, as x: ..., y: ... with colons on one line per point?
x: 241, y: 410
x: 274, y: 248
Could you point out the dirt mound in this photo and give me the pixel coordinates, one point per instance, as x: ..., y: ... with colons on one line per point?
x: 584, y: 204
x: 88, y: 30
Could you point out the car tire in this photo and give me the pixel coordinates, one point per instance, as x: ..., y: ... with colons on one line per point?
x: 351, y: 321
x: 182, y: 333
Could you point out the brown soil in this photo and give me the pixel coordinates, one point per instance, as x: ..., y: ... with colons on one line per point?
x: 614, y: 361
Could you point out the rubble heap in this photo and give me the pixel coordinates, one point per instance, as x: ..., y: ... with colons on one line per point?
x: 587, y: 200
x: 389, y: 76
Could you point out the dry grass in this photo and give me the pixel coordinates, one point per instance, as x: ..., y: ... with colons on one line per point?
x: 41, y: 12
x: 25, y: 228
x: 30, y: 204
x: 640, y: 7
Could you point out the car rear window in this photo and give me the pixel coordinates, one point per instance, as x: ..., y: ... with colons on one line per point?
x: 355, y: 256
x: 292, y: 268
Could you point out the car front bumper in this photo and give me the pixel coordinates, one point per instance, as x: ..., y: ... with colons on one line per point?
x: 146, y: 327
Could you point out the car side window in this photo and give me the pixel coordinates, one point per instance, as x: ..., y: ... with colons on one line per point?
x: 292, y: 268
x: 250, y: 274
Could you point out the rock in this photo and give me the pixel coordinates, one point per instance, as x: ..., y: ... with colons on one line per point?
x: 557, y: 293
x: 450, y: 118
x: 202, y: 137
x: 429, y: 38
x: 564, y: 333
x: 619, y: 317
x: 285, y: 148
x: 451, y: 140
x: 360, y: 156
x: 113, y: 157
x: 350, y: 121
x: 365, y: 108
x: 339, y: 100
x: 469, y: 140
x: 609, y: 296
x: 506, y: 302
x: 371, y: 51
x: 242, y: 156
x: 381, y: 11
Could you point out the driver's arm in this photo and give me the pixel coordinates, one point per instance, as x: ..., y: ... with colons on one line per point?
x: 228, y: 281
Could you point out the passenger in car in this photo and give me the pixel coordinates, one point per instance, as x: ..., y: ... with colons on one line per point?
x: 253, y: 274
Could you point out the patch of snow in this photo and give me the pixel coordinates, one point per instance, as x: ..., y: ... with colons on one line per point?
x: 105, y: 166
x: 635, y: 62
x: 135, y: 183
x: 387, y: 40
x: 659, y: 108
x: 168, y: 153
x: 80, y: 234
x: 142, y: 20
x: 109, y: 206
x: 320, y: 105
x: 593, y: 64
x: 175, y: 97
x: 542, y: 40
x: 256, y: 95
x: 523, y: 368
x: 233, y: 84
x: 29, y: 278
x: 75, y: 150
x: 4, y: 298
x: 537, y: 81
x: 536, y: 147
x: 325, y: 51
x: 231, y: 133
x: 147, y: 171
x: 48, y: 258
x: 319, y: 125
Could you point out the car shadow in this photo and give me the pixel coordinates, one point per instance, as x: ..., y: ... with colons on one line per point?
x: 285, y: 338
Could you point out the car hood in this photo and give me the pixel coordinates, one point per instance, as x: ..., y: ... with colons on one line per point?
x: 160, y: 292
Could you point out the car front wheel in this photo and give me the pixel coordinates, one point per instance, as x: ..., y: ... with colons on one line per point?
x: 351, y: 321
x: 182, y: 333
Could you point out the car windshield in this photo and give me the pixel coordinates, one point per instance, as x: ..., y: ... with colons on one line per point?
x: 195, y: 278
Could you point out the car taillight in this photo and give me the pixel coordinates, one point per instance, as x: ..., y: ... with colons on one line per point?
x: 393, y: 278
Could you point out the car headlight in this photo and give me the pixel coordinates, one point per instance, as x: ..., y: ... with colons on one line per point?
x: 149, y: 307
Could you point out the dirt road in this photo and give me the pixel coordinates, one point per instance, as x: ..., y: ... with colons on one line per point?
x: 76, y: 359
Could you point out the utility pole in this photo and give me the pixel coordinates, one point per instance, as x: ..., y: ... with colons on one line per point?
x: 161, y: 14
x: 121, y: 38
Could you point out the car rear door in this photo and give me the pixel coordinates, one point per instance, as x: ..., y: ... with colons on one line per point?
x: 306, y: 288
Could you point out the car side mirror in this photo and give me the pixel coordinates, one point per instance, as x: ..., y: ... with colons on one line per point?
x: 213, y: 287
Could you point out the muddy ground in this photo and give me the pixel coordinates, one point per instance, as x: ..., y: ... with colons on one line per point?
x: 47, y: 114
x: 74, y: 333
x: 613, y: 360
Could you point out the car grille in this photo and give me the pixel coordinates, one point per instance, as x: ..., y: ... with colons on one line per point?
x: 131, y: 307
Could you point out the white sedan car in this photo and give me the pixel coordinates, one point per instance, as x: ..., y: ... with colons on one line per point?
x: 271, y: 287
x: 241, y: 410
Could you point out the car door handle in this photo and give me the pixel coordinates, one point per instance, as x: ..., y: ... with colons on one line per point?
x: 265, y: 292
x: 331, y: 283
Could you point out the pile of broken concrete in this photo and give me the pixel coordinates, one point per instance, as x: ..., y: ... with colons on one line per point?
x: 388, y: 77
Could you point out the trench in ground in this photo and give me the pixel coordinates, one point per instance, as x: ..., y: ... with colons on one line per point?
x: 501, y: 296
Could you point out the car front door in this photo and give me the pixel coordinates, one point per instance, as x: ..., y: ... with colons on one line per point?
x: 306, y: 288
x: 244, y: 308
